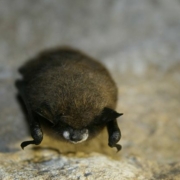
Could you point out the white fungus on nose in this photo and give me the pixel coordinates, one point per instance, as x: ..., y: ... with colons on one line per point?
x: 84, y: 136
x: 66, y: 135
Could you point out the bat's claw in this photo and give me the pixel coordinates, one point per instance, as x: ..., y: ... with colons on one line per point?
x: 26, y: 143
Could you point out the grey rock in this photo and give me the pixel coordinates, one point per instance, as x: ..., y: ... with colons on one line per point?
x: 46, y: 164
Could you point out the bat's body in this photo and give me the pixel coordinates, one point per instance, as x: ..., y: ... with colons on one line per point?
x: 70, y: 94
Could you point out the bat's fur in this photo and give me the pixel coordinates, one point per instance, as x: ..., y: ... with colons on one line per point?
x: 67, y: 87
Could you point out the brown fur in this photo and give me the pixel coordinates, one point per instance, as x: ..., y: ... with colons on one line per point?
x: 73, y: 85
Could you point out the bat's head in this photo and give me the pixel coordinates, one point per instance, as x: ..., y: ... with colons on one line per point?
x: 80, y: 125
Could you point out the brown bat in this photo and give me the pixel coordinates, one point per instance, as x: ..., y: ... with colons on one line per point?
x: 71, y: 95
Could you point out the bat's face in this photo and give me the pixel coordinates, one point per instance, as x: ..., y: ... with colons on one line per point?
x: 71, y: 134
x: 79, y: 128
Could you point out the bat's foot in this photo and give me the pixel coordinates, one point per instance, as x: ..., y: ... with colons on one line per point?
x: 113, y: 140
x: 37, y: 135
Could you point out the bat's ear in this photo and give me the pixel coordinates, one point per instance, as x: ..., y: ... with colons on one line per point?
x: 45, y: 111
x: 109, y: 115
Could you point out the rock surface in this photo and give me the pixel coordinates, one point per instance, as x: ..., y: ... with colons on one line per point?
x: 50, y: 164
x: 139, y: 42
x: 46, y: 164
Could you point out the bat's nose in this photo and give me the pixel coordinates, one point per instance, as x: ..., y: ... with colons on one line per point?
x: 78, y: 136
x: 75, y: 137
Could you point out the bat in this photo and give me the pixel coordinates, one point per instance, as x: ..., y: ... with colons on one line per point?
x: 70, y: 95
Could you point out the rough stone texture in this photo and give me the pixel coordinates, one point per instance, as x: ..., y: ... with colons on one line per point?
x: 139, y: 41
x: 46, y: 164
